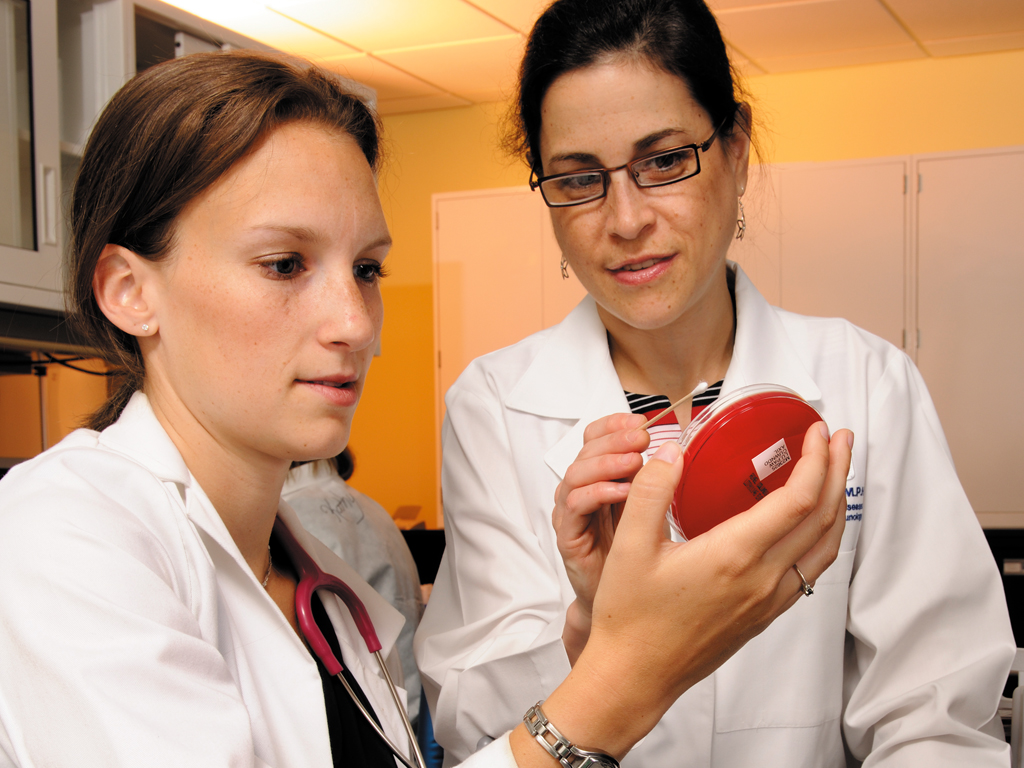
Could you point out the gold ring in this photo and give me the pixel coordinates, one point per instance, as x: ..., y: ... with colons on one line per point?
x: 804, y: 586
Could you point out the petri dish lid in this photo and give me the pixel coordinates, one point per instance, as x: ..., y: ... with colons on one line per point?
x: 737, y: 451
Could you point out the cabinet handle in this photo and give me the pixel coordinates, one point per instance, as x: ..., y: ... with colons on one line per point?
x: 49, y: 205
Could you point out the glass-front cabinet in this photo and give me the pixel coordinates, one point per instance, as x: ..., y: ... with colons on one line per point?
x: 29, y: 154
x: 60, y: 62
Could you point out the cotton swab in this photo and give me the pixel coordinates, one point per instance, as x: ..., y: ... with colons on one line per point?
x: 700, y: 389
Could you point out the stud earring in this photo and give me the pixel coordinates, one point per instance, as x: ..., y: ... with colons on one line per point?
x: 741, y: 222
x: 145, y: 327
x: 564, y: 265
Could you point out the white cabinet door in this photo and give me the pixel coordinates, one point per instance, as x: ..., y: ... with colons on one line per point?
x: 970, y: 261
x: 830, y: 240
x: 843, y: 233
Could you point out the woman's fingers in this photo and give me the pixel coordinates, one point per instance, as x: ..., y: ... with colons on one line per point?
x: 607, y: 425
x: 610, y: 455
x: 642, y: 525
x: 823, y: 552
x: 814, y: 543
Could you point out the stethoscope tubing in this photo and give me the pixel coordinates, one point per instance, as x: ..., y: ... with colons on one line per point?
x: 312, y: 578
x: 414, y: 747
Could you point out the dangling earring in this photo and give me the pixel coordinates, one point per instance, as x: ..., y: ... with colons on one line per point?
x: 741, y: 222
x: 565, y: 272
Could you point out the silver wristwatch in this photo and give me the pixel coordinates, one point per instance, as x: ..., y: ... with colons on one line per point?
x: 569, y: 755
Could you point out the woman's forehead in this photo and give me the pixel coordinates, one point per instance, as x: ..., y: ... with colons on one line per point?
x: 616, y: 106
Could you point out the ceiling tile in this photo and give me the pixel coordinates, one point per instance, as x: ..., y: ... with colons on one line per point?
x: 719, y: 5
x: 254, y: 20
x: 803, y: 28
x: 390, y: 83
x: 954, y: 19
x: 479, y: 71
x: 420, y: 104
x: 374, y: 26
x: 520, y: 14
x: 1007, y: 41
x: 848, y: 58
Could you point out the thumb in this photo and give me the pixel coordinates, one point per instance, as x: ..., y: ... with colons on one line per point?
x: 650, y: 494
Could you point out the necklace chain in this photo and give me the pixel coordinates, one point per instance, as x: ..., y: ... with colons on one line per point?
x: 270, y: 567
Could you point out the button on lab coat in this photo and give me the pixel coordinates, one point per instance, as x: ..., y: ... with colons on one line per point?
x: 133, y: 632
x: 900, y: 655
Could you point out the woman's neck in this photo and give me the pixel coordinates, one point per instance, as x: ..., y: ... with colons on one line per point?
x: 244, y: 488
x: 671, y: 360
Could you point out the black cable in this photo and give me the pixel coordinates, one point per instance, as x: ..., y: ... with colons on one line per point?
x: 66, y: 362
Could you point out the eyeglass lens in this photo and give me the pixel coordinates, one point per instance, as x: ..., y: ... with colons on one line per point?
x: 655, y: 170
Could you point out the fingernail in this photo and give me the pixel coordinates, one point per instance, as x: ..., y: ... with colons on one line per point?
x: 849, y: 439
x: 668, y: 452
x: 824, y: 430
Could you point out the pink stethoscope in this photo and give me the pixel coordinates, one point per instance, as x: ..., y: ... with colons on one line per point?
x: 312, y: 578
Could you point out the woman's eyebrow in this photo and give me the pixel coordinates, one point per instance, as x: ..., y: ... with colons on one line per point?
x: 639, y: 147
x: 576, y: 157
x: 651, y: 139
x: 302, y: 233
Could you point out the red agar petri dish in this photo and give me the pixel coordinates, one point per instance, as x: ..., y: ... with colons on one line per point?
x: 736, y: 452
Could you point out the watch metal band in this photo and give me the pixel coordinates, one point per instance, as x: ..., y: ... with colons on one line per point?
x: 560, y: 748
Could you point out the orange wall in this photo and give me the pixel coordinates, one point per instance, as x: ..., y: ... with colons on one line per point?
x: 922, y: 106
x: 70, y: 396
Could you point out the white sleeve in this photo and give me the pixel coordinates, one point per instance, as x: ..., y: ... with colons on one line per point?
x: 102, y: 663
x: 497, y: 754
x: 929, y: 644
x: 489, y: 645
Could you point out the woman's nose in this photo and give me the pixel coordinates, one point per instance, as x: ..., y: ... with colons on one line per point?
x: 351, y: 318
x: 628, y: 210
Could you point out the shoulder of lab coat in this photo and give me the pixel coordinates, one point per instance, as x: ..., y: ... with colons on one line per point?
x: 135, y: 634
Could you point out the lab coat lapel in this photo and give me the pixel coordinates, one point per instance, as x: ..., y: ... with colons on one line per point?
x: 763, y: 352
x: 571, y: 378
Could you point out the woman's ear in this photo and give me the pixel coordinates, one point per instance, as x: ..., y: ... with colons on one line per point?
x: 121, y: 285
x: 738, y: 147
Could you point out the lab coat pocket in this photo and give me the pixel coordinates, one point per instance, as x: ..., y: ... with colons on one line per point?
x: 791, y: 675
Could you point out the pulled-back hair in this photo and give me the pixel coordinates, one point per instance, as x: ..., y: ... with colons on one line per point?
x: 164, y: 138
x: 679, y: 36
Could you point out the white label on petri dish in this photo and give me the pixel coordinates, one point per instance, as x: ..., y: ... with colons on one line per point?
x: 775, y: 457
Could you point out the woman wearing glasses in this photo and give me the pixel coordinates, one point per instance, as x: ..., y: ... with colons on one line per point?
x: 628, y: 116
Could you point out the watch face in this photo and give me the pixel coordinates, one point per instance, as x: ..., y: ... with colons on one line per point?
x: 736, y: 452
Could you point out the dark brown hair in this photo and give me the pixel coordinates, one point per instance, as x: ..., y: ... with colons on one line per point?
x: 163, y: 139
x: 679, y: 36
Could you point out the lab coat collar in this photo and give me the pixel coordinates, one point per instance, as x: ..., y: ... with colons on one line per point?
x: 572, y: 376
x: 575, y: 358
x: 139, y: 434
x: 763, y: 352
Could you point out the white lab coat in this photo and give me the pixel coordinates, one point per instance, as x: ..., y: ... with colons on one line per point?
x: 133, y: 632
x: 902, y: 651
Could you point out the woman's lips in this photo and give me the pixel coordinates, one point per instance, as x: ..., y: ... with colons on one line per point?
x: 642, y: 270
x: 336, y: 392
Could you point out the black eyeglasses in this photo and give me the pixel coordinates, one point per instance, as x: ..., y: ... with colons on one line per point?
x: 656, y: 170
